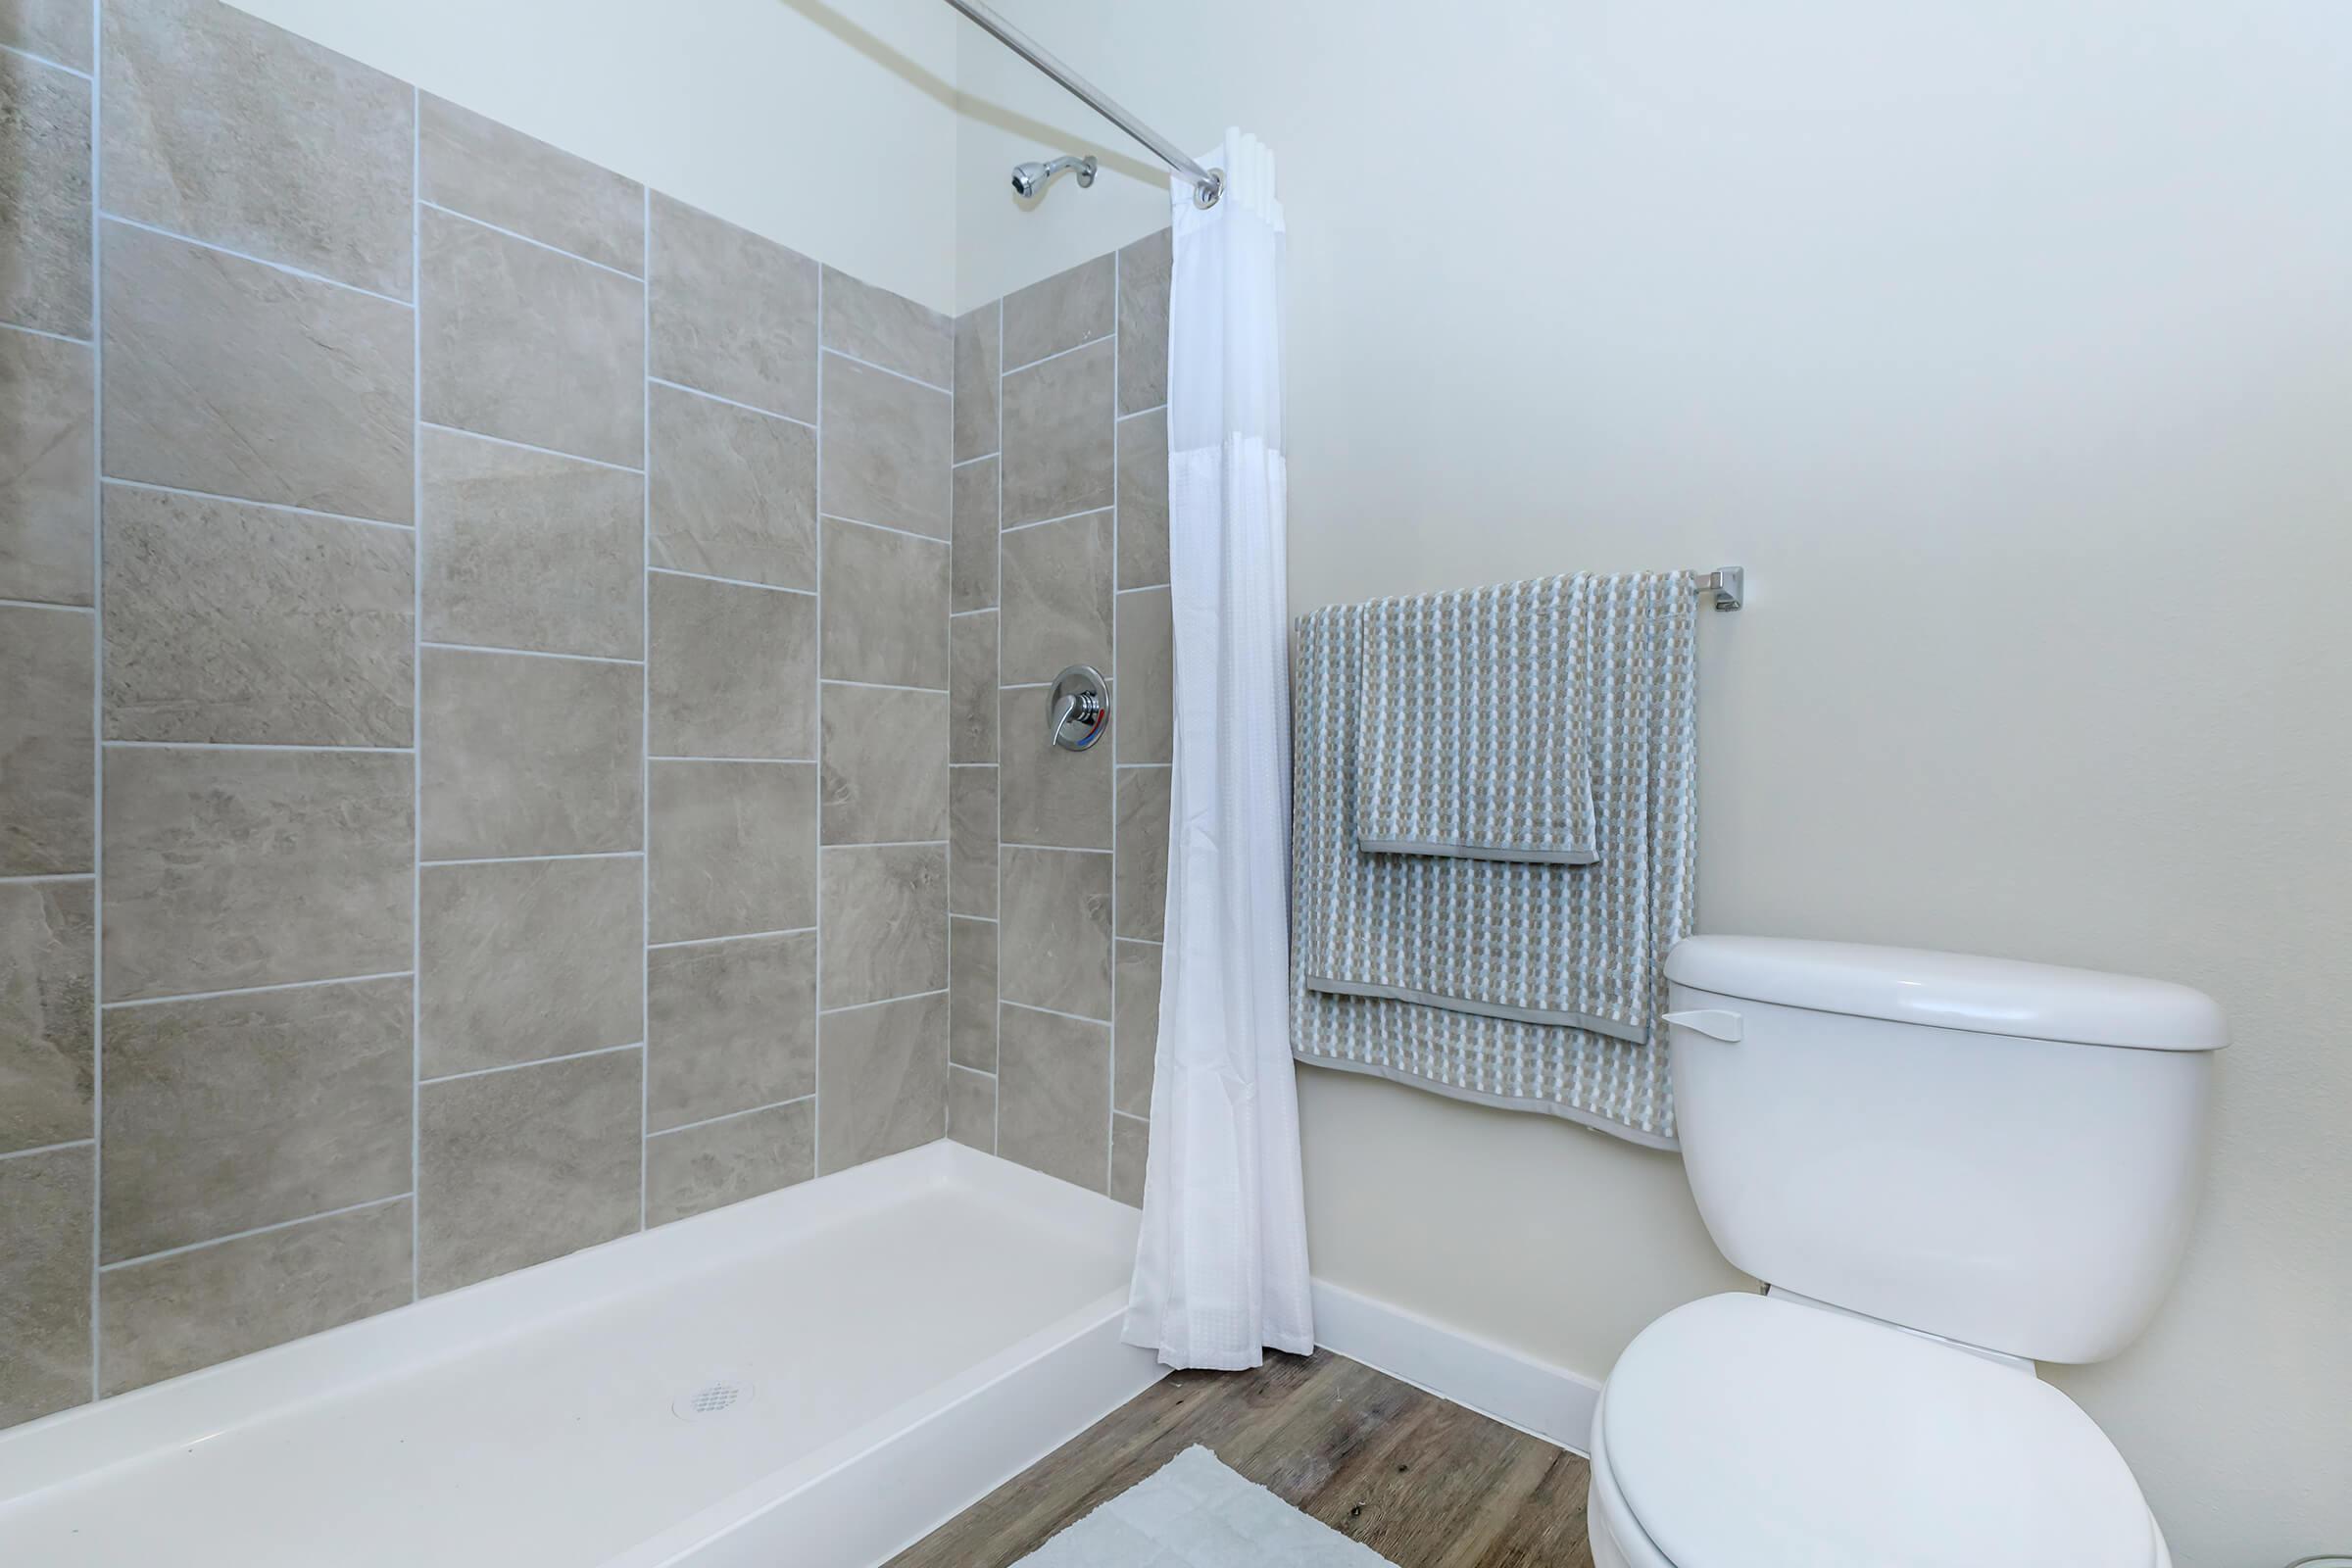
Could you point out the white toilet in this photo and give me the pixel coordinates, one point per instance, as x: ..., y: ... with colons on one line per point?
x: 1946, y: 1169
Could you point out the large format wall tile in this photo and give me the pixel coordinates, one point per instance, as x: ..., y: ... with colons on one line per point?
x: 1052, y: 796
x: 734, y: 492
x: 888, y: 330
x: 706, y: 1167
x: 732, y: 669
x: 886, y: 765
x: 1143, y: 852
x: 733, y: 314
x: 731, y: 1026
x: 48, y: 449
x: 972, y: 688
x: 525, y: 960
x: 480, y: 168
x: 1144, y: 499
x: 1053, y: 1082
x: 45, y: 742
x: 233, y: 131
x: 886, y: 923
x: 972, y: 994
x: 529, y: 346
x: 169, y: 1315
x: 227, y: 1113
x: 45, y: 1282
x: 228, y: 869
x: 972, y: 841
x: 1144, y: 281
x: 886, y: 607
x: 882, y: 1081
x: 526, y: 755
x: 527, y: 549
x: 227, y: 621
x: 1147, y: 679
x: 1058, y: 437
x: 47, y: 938
x: 54, y: 30
x: 734, y: 848
x: 977, y: 366
x: 973, y: 578
x: 1136, y: 1022
x: 1058, y: 598
x: 239, y: 380
x: 1130, y: 1150
x: 973, y: 1108
x: 515, y: 1167
x: 1055, y: 931
x: 1059, y: 313
x: 44, y: 198
x: 886, y: 442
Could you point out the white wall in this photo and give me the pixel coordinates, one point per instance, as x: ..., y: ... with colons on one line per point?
x: 2009, y: 346
x: 827, y: 125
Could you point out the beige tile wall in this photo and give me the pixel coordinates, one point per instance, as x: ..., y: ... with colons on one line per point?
x: 519, y: 694
x: 1059, y: 859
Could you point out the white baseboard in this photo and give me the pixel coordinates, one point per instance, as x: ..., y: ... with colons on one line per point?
x: 1545, y: 1400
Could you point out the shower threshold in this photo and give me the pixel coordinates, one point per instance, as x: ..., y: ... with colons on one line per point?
x: 815, y: 1377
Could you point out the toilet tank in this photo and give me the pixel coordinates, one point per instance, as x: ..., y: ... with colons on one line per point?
x: 2004, y: 1154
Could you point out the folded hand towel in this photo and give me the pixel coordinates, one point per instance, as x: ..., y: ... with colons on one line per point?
x: 1472, y: 741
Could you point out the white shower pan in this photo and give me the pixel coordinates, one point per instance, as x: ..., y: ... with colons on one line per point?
x: 815, y: 1378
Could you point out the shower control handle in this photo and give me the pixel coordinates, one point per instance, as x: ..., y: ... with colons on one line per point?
x: 1080, y: 708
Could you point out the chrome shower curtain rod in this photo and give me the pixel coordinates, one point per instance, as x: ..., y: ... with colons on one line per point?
x: 1207, y: 183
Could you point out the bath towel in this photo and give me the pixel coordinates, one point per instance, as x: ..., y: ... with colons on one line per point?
x: 1472, y: 741
x: 1535, y: 986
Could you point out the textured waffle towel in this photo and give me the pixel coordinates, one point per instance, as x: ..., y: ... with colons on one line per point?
x: 1473, y: 732
x: 1531, y: 986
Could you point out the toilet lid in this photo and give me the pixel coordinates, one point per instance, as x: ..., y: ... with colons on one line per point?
x: 1749, y: 1432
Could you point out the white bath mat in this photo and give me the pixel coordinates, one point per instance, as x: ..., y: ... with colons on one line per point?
x: 1196, y: 1513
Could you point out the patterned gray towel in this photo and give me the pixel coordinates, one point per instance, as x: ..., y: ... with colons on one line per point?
x: 1472, y: 741
x: 1532, y: 986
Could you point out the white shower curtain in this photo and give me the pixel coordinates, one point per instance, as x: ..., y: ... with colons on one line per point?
x: 1220, y: 1272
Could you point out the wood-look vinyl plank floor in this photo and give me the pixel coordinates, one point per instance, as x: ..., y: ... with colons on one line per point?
x: 1423, y: 1481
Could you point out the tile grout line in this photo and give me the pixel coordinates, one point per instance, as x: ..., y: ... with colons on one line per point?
x: 704, y: 576
x: 532, y: 859
x: 43, y: 604
x: 995, y: 1013
x: 885, y: 370
x: 1068, y: 516
x: 762, y: 761
x: 732, y: 1115
x: 817, y: 826
x: 880, y: 1002
x: 734, y: 936
x: 97, y: 712
x: 54, y: 337
x: 535, y: 1062
x: 522, y: 653
x: 90, y: 76
x: 258, y: 1230
x: 424, y: 423
x: 103, y: 217
x: 1056, y: 1012
x: 883, y: 686
x: 424, y: 206
x: 1118, y: 742
x: 732, y: 403
x: 417, y: 697
x: 1110, y: 338
x: 885, y: 528
x: 250, y: 746
x: 645, y: 712
x: 117, y: 481
x: 249, y: 991
x: 49, y: 1148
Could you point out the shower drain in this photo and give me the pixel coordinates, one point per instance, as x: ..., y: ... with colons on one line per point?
x: 714, y: 1396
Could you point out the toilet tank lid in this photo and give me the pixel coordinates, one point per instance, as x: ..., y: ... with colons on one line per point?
x: 1953, y: 991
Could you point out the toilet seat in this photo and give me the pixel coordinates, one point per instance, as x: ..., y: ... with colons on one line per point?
x: 1752, y: 1432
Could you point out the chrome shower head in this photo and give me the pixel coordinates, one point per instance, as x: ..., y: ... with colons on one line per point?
x: 1030, y: 179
